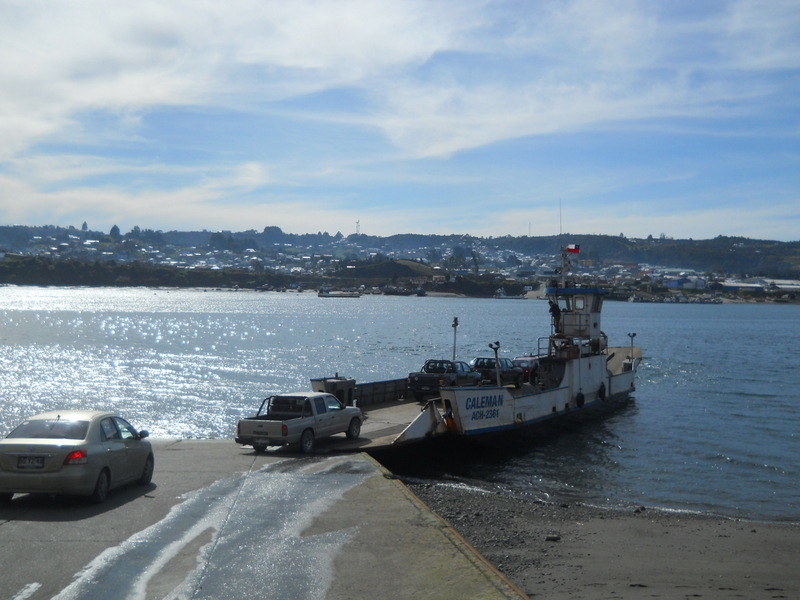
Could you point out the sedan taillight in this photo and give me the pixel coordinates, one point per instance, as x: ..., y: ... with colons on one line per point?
x: 78, y: 457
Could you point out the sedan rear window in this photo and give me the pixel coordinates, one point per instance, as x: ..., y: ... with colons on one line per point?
x: 51, y: 429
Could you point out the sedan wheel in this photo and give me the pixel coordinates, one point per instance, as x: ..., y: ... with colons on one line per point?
x: 101, y: 488
x: 147, y: 473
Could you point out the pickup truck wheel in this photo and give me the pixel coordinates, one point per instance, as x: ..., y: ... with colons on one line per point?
x: 307, y: 441
x: 259, y: 447
x: 354, y: 430
x: 518, y: 382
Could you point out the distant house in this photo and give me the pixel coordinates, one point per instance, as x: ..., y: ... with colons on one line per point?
x: 686, y: 283
x: 730, y: 285
x: 783, y: 285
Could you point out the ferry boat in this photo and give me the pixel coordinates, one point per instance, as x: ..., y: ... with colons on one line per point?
x: 579, y: 374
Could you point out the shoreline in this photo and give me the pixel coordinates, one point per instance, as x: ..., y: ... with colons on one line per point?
x: 429, y: 293
x: 580, y: 552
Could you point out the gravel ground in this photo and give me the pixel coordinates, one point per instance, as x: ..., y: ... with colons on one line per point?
x: 579, y: 552
x: 513, y: 535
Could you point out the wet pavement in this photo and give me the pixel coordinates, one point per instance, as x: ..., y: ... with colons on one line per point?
x: 220, y: 521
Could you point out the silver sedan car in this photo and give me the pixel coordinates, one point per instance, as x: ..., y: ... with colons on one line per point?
x: 77, y: 452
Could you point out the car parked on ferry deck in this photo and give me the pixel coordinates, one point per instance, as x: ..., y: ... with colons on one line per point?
x: 509, y: 373
x: 74, y: 452
x: 440, y: 373
x: 529, y: 366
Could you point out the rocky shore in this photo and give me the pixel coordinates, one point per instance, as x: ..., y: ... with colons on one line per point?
x: 580, y: 552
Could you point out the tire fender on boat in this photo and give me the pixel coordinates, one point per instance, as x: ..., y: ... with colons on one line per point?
x: 601, y: 392
x: 579, y: 399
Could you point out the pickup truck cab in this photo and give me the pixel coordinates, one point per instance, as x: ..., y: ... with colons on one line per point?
x: 298, y: 418
x: 436, y: 374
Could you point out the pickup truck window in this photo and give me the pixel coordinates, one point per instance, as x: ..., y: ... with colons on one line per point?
x: 285, y: 406
x: 438, y: 367
x: 319, y: 402
x: 334, y: 404
x: 484, y: 363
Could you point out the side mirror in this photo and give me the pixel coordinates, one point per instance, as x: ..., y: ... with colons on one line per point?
x: 143, y: 434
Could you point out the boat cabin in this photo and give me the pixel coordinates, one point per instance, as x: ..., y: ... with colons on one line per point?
x: 576, y: 325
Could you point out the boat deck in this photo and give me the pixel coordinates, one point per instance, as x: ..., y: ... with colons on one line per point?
x: 384, y: 422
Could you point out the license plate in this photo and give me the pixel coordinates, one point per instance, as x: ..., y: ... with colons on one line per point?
x: 30, y: 462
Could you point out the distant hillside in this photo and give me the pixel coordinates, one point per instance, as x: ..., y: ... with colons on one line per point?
x: 734, y: 255
x: 387, y: 271
x: 726, y: 255
x: 33, y: 270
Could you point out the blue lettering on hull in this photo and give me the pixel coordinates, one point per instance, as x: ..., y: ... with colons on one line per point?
x: 479, y: 402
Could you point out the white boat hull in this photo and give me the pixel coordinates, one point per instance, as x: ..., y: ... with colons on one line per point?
x: 483, y: 411
x: 565, y: 389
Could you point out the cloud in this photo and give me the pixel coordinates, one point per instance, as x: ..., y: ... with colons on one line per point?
x: 437, y: 78
x: 215, y: 109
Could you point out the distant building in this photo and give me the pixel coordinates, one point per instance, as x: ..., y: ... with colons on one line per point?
x: 730, y: 285
x: 686, y: 283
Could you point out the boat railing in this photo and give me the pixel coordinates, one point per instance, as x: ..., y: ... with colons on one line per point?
x: 564, y: 347
x: 362, y: 394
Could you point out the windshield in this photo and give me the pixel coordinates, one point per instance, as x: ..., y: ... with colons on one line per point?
x: 51, y: 429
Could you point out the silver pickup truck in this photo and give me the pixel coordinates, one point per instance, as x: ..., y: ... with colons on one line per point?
x: 298, y: 418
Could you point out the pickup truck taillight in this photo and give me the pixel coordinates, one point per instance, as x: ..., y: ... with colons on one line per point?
x: 284, y: 430
x: 441, y: 381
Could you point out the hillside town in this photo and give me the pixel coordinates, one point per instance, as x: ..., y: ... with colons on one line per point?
x: 437, y: 261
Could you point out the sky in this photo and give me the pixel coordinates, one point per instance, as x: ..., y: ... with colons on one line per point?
x: 480, y: 117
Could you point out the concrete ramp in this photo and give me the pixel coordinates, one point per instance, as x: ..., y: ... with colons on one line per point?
x: 336, y: 527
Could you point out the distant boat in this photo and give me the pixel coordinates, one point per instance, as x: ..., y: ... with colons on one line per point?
x: 500, y: 294
x: 338, y: 294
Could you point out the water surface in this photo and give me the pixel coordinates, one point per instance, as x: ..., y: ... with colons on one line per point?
x: 712, y: 426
